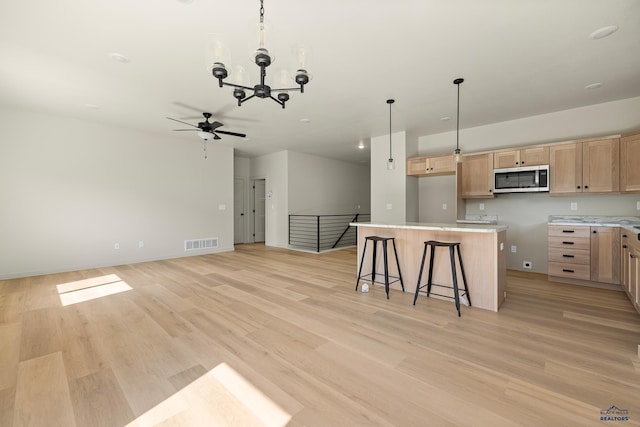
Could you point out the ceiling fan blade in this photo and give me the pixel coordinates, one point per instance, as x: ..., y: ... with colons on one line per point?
x: 215, y: 136
x: 224, y: 132
x: 216, y: 125
x: 190, y: 130
x: 180, y: 121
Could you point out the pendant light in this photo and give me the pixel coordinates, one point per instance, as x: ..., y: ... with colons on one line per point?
x: 390, y: 163
x: 457, y: 154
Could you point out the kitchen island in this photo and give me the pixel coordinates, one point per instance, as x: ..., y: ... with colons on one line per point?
x: 483, y: 255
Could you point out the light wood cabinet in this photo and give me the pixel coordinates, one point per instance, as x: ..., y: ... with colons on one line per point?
x: 605, y: 254
x: 630, y: 163
x: 476, y: 175
x: 529, y: 156
x: 585, y: 167
x: 632, y: 271
x: 624, y: 261
x: 585, y: 253
x: 431, y: 165
x: 569, y: 252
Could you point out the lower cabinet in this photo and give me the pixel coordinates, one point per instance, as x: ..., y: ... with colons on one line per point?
x: 585, y: 253
x: 631, y: 269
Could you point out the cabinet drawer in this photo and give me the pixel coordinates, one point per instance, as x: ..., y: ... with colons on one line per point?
x: 575, y: 271
x: 571, y: 256
x: 569, y: 242
x: 569, y: 230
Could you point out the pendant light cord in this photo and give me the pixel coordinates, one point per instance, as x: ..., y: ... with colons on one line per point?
x: 458, y: 120
x: 390, y: 156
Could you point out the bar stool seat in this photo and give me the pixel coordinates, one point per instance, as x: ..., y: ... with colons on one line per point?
x: 453, y: 247
x: 372, y: 275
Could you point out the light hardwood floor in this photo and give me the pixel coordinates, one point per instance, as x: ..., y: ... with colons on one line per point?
x: 265, y: 336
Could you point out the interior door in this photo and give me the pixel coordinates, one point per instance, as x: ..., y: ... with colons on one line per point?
x: 259, y: 210
x: 239, y: 216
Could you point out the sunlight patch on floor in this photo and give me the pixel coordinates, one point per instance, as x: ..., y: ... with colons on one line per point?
x: 89, y: 289
x: 221, y: 397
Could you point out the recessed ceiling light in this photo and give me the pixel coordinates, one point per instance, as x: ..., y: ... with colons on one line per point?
x: 603, y: 32
x: 305, y: 120
x: 445, y: 119
x: 594, y: 86
x: 361, y: 145
x: 118, y: 57
x: 185, y: 1
x: 91, y: 106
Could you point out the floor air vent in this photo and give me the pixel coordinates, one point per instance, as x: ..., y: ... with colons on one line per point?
x: 200, y: 244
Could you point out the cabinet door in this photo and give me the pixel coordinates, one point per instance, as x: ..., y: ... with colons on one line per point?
x: 634, y: 277
x: 600, y: 166
x: 624, y: 263
x: 605, y: 254
x: 534, y: 156
x: 630, y: 163
x: 506, y: 159
x: 417, y: 166
x: 565, y: 163
x: 442, y: 165
x: 477, y: 176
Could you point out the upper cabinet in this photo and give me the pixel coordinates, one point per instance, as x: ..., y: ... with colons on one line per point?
x: 529, y: 156
x: 431, y: 165
x: 476, y: 175
x: 630, y: 163
x: 585, y: 167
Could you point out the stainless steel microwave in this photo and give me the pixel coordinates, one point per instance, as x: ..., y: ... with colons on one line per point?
x: 525, y: 179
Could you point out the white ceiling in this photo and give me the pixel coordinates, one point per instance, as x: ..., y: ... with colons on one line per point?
x: 518, y: 58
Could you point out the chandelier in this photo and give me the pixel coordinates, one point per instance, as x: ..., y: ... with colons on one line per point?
x: 262, y: 59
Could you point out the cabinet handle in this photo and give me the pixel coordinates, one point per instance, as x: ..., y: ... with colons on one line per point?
x: 595, y: 232
x: 578, y: 187
x: 586, y: 186
x: 566, y: 270
x: 624, y: 235
x: 517, y: 163
x: 624, y: 246
x: 568, y: 256
x: 568, y: 231
x: 568, y: 243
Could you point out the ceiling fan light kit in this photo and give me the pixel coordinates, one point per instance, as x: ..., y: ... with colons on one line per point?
x: 263, y: 59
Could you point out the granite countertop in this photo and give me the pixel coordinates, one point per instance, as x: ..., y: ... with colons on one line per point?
x: 628, y: 223
x: 478, y: 228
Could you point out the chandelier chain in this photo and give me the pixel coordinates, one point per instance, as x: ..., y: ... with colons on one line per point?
x: 262, y: 11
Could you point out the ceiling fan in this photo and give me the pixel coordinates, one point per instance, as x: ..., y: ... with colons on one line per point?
x: 207, y: 130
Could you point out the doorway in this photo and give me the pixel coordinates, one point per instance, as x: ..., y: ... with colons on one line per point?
x: 239, y: 217
x: 259, y: 210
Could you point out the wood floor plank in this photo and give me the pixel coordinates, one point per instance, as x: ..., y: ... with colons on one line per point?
x: 289, y: 329
x: 42, y: 393
x: 98, y: 400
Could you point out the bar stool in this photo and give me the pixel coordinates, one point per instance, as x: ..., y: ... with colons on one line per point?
x: 383, y: 240
x: 452, y: 246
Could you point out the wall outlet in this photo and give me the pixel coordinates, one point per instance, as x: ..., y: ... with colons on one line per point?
x: 444, y: 206
x: 527, y: 264
x: 222, y: 207
x: 514, y: 249
x: 574, y: 206
x: 141, y: 244
x: 116, y: 246
x: 482, y: 206
x: 638, y: 205
x: 389, y: 206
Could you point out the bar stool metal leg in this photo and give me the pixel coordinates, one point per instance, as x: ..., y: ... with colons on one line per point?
x: 386, y: 268
x: 464, y: 277
x: 424, y: 255
x: 430, y: 277
x: 454, y: 275
x: 364, y: 250
x: 397, y: 263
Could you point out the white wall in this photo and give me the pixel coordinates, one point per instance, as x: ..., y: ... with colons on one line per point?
x: 526, y: 214
x: 273, y: 168
x: 71, y: 189
x: 321, y: 186
x: 388, y: 187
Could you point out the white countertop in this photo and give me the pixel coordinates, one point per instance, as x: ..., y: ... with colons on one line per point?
x: 472, y: 228
x: 626, y: 222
